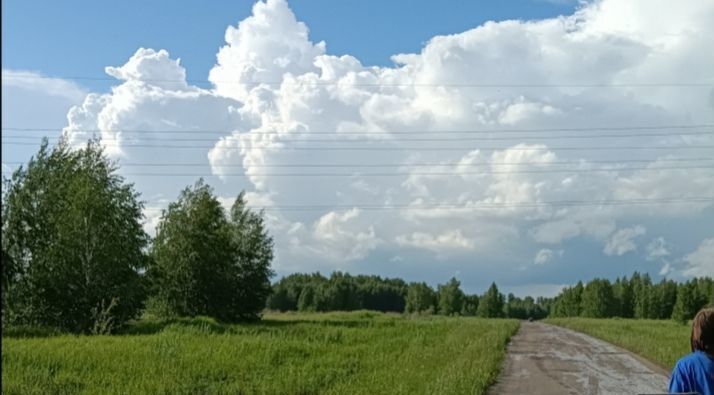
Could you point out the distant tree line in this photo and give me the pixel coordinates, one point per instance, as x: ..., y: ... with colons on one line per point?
x: 636, y: 297
x: 341, y: 291
x: 313, y: 292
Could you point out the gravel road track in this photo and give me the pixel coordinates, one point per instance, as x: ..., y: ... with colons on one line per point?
x: 547, y: 359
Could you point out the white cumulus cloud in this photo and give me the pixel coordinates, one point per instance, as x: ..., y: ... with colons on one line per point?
x: 657, y: 248
x: 700, y: 262
x: 546, y: 255
x: 623, y: 241
x: 281, y: 107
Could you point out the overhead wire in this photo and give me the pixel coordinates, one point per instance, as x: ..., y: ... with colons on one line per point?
x: 399, y: 174
x: 678, y: 84
x: 411, y: 149
x: 483, y: 205
x: 405, y: 165
x: 337, y: 136
x: 382, y: 131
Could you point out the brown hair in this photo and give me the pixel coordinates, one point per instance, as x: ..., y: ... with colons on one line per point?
x: 703, y: 331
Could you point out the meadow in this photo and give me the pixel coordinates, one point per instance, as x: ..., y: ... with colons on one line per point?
x: 661, y: 341
x: 332, y: 353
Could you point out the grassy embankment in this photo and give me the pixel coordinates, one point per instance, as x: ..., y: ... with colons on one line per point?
x: 341, y: 353
x: 661, y: 341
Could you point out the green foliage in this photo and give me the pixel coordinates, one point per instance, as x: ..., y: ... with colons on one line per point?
x: 644, y: 296
x: 598, y: 300
x: 491, y: 303
x: 637, y: 297
x: 421, y: 299
x: 624, y: 298
x: 525, y: 308
x: 666, y: 298
x: 252, y: 257
x: 470, y: 307
x: 339, y: 353
x: 569, y: 302
x: 340, y: 292
x: 72, y: 241
x: 660, y: 341
x: 451, y: 298
x: 207, y: 264
x: 687, y: 304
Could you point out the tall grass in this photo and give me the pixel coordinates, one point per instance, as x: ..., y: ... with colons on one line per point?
x: 660, y: 341
x: 363, y: 352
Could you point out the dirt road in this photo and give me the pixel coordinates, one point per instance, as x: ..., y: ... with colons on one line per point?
x: 546, y: 359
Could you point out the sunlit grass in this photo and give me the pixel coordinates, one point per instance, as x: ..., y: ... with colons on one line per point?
x: 660, y: 341
x: 337, y: 353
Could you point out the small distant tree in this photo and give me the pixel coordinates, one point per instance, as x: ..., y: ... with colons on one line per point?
x: 470, y: 307
x: 643, y: 297
x: 685, y: 306
x: 491, y: 303
x: 420, y: 298
x: 306, y: 301
x: 569, y: 302
x: 598, y: 300
x: 667, y: 297
x: 624, y: 298
x: 451, y: 298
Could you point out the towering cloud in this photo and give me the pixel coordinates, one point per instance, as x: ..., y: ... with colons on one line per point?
x: 281, y: 108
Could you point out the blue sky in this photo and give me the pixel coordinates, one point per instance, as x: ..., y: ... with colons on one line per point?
x: 85, y: 36
x: 581, y: 82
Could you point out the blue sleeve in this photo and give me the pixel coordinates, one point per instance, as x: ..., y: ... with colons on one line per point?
x: 679, y: 382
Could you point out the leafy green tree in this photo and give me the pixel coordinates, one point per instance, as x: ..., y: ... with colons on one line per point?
x: 598, y: 300
x: 306, y: 301
x: 666, y: 298
x: 524, y: 308
x: 568, y: 303
x: 643, y: 298
x: 253, y: 254
x: 193, y: 254
x: 451, y: 298
x: 704, y: 291
x: 279, y: 300
x: 379, y: 294
x: 624, y: 297
x: 470, y: 307
x: 491, y: 303
x: 288, y: 290
x: 73, y: 238
x: 208, y: 264
x: 340, y: 292
x: 686, y: 305
x: 420, y: 298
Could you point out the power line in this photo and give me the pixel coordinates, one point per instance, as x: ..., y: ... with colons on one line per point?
x: 412, y: 149
x: 399, y: 174
x: 509, y: 138
x: 363, y: 132
x: 379, y: 85
x: 477, y: 206
x: 420, y: 164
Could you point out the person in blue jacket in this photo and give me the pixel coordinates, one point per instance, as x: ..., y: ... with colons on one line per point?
x: 695, y: 372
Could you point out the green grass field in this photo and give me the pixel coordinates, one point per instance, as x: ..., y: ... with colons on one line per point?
x: 361, y: 352
x: 660, y: 341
